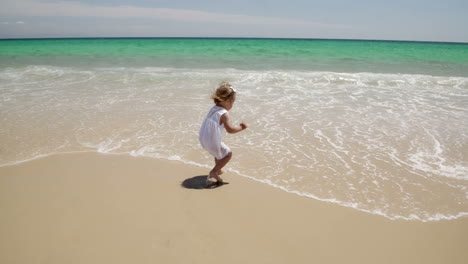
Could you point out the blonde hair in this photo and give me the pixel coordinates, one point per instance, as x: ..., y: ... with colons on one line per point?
x: 223, y: 93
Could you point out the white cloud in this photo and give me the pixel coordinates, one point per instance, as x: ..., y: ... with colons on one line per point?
x: 11, y: 23
x: 78, y: 9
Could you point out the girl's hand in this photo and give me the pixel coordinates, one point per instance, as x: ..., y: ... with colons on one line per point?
x: 243, y: 125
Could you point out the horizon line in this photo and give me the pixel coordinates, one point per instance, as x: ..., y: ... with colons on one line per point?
x: 266, y: 38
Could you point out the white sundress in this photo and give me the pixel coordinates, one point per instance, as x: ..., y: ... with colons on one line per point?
x: 211, y: 133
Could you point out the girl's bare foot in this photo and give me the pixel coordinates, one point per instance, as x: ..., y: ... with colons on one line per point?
x: 215, y: 176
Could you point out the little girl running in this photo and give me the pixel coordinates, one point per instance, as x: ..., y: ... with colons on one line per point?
x: 211, y: 130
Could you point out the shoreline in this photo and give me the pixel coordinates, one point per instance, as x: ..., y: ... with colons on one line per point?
x: 272, y: 185
x: 93, y: 208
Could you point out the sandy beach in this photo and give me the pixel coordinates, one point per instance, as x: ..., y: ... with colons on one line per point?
x: 101, y: 208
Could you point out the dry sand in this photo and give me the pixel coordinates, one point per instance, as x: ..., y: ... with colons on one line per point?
x: 95, y: 208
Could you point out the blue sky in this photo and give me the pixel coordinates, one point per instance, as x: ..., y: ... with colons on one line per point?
x: 354, y: 19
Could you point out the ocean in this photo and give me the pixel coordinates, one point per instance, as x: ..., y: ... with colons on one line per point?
x: 378, y: 126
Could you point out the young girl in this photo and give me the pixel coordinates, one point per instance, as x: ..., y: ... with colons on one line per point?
x: 212, y: 129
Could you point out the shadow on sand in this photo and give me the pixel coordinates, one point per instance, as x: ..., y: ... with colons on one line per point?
x: 199, y: 182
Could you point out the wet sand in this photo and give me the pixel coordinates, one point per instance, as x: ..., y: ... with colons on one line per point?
x: 101, y: 208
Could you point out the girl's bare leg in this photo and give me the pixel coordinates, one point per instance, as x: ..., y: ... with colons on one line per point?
x: 220, y: 171
x: 219, y: 165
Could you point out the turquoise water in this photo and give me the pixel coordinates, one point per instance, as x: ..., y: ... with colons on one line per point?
x: 445, y: 59
x: 378, y: 126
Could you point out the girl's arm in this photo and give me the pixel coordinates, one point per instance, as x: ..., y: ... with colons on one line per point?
x: 230, y: 128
